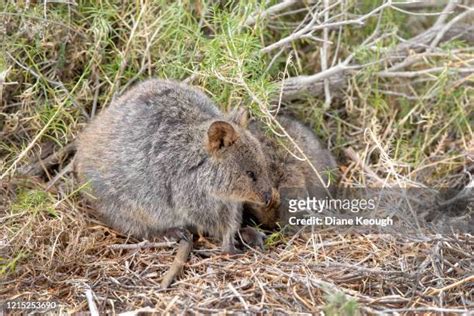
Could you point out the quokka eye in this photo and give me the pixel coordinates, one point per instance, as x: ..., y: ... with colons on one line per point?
x: 251, y: 175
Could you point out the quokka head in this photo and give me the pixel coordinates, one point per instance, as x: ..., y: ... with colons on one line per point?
x: 268, y: 216
x: 238, y: 157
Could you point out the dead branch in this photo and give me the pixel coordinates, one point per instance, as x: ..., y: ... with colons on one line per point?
x: 184, y: 249
x: 421, y: 42
x: 421, y: 5
x: 270, y: 11
x: 412, y: 74
x: 325, y: 56
x: 453, y: 285
x: 313, y: 85
x: 38, y: 167
x: 445, y: 28
x: 312, y: 26
x: 300, y: 86
x: 90, y: 302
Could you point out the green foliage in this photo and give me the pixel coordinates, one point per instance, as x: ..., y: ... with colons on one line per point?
x: 275, y: 238
x: 8, y: 266
x: 59, y: 128
x: 65, y: 60
x: 34, y: 202
x: 338, y: 304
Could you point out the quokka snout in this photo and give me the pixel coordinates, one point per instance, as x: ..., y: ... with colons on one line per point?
x: 163, y: 157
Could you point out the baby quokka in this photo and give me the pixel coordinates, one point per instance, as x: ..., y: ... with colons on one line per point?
x: 162, y: 158
x: 292, y: 178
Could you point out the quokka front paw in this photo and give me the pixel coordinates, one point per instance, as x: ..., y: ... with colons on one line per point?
x: 178, y: 233
x: 228, y: 245
x: 252, y: 237
x: 231, y: 251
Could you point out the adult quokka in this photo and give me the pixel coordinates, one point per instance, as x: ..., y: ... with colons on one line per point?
x: 162, y: 158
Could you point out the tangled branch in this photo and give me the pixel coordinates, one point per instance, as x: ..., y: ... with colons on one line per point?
x: 322, y: 17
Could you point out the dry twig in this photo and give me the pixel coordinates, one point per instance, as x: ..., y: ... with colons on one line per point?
x: 144, y: 245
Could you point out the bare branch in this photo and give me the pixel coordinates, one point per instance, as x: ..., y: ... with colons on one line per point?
x: 325, y: 56
x: 446, y: 12
x: 412, y: 74
x: 271, y: 11
x: 309, y: 28
x: 295, y: 87
x: 450, y: 24
x: 91, y: 303
x: 420, y: 5
x: 37, y: 168
x: 398, y: 57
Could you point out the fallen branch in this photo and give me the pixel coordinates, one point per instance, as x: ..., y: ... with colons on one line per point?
x: 184, y: 249
x: 324, y: 52
x: 433, y: 291
x: 90, y: 302
x: 421, y: 5
x: 333, y: 80
x: 38, y: 167
x: 448, y: 25
x: 422, y: 41
x: 296, y: 87
x: 412, y: 74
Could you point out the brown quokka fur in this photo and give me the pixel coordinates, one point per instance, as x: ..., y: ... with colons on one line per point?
x: 291, y: 177
x: 162, y: 157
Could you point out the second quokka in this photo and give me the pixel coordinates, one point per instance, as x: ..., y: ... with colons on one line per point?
x: 163, y: 158
x: 291, y: 178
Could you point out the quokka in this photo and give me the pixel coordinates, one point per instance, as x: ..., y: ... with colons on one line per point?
x: 292, y: 178
x: 163, y: 159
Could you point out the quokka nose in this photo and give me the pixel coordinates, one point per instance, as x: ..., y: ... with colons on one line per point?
x: 267, y: 196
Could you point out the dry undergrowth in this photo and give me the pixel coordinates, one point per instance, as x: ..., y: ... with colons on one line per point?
x: 300, y: 273
x: 389, y: 91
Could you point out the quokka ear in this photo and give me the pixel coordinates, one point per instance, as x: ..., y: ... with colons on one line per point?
x: 240, y: 117
x: 220, y: 134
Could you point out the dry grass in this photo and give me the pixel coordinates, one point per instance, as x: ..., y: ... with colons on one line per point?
x: 299, y: 273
